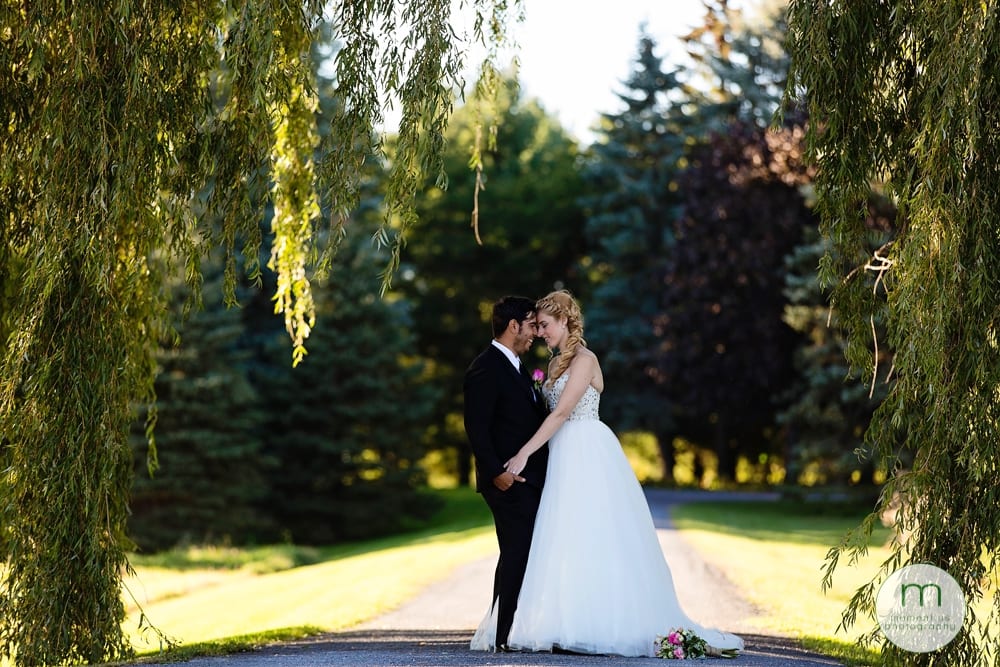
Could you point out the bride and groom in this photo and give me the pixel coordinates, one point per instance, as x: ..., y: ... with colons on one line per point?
x: 580, y: 567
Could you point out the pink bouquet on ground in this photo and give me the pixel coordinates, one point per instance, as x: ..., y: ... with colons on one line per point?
x: 680, y: 644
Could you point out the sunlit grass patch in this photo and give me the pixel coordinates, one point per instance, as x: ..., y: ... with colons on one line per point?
x: 782, y: 549
x: 205, y: 594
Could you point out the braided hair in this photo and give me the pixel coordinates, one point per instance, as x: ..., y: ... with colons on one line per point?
x: 561, y: 304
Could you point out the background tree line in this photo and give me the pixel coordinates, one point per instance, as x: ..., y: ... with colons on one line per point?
x: 687, y: 231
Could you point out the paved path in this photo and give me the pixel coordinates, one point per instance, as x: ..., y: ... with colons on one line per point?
x: 434, y: 628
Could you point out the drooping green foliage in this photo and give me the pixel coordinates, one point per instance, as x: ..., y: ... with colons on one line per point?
x: 242, y: 432
x: 7, y: 271
x: 903, y: 93
x: 124, y: 127
x: 82, y: 209
x: 252, y: 450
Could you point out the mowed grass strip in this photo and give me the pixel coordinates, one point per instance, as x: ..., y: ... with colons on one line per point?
x: 782, y: 548
x: 201, y: 595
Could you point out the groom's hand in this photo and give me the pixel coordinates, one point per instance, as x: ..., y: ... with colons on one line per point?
x: 505, y: 480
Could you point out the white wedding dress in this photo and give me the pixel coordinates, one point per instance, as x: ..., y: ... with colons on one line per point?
x: 596, y: 580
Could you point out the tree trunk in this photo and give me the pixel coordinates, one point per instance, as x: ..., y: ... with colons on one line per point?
x: 464, y: 465
x: 725, y: 452
x: 665, y: 442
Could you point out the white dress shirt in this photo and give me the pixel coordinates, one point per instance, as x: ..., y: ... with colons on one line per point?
x: 509, y: 354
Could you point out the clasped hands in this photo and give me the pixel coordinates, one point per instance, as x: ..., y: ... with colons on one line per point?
x: 513, y: 468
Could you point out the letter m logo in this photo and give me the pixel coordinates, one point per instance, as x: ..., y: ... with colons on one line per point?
x: 921, y: 588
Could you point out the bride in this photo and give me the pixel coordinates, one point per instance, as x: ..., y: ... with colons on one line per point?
x: 596, y: 580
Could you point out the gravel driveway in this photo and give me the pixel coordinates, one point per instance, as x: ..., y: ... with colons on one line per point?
x: 434, y: 628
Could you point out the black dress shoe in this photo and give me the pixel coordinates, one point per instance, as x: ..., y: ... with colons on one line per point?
x: 503, y: 648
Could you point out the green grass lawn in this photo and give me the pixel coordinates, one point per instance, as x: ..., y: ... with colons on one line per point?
x: 330, y: 595
x: 214, y: 600
x: 782, y: 549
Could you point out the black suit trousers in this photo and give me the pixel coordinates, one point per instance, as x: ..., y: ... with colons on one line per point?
x: 514, y: 513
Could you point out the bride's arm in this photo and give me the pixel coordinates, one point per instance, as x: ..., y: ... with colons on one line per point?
x: 581, y: 371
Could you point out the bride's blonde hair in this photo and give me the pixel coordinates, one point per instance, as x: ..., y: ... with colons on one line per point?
x: 560, y: 304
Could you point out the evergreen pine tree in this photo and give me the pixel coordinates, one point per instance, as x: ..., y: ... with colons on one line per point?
x: 630, y: 213
x: 741, y: 63
x: 345, y: 426
x: 209, y: 476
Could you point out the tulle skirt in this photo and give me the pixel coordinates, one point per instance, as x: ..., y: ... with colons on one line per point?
x: 596, y: 580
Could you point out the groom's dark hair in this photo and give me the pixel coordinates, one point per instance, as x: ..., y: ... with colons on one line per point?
x: 509, y: 308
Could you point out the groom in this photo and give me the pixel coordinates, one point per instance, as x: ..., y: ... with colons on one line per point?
x: 502, y: 411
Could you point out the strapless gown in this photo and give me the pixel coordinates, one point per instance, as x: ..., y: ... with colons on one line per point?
x: 596, y: 581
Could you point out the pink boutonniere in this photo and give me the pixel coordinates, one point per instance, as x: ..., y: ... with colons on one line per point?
x: 538, y: 377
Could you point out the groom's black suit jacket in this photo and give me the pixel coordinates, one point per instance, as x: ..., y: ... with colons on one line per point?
x: 502, y: 412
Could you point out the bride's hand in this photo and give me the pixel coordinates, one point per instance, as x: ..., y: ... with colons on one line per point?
x: 516, y: 464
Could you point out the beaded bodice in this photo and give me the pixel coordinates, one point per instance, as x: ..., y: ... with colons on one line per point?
x: 586, y: 408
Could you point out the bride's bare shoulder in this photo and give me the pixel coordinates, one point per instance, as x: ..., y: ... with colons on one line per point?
x: 591, y: 366
x: 584, y: 359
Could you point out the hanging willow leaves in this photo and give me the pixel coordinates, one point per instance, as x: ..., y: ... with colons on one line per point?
x: 124, y: 127
x: 903, y: 94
